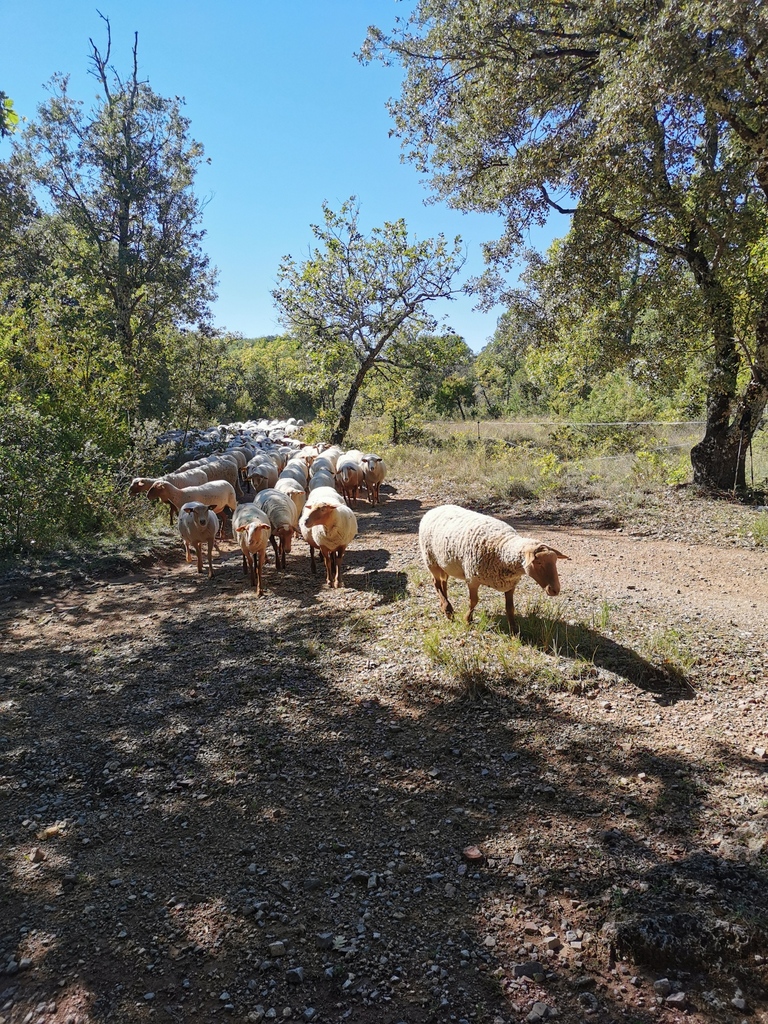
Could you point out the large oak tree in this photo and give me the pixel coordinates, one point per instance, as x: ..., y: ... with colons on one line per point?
x: 644, y: 119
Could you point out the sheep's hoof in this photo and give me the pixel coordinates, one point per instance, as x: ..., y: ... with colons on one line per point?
x: 448, y: 611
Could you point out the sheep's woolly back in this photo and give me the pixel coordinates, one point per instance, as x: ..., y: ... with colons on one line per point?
x: 471, y: 546
x: 281, y: 510
x: 337, y: 532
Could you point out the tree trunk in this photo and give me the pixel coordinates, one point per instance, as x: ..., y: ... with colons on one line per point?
x: 719, y: 459
x: 345, y: 413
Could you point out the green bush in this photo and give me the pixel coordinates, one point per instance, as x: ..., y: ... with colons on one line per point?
x: 57, y: 486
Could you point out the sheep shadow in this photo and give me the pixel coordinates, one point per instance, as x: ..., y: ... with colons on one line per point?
x: 665, y: 679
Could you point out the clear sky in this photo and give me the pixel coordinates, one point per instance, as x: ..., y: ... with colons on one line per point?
x: 287, y: 115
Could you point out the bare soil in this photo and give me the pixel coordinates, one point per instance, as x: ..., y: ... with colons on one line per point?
x: 222, y: 807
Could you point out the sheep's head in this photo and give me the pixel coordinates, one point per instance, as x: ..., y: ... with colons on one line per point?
x: 195, y: 512
x: 155, y: 491
x: 317, y: 514
x: 540, y: 563
x: 255, y: 535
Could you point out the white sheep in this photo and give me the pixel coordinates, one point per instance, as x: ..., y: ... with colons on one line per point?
x: 295, y: 492
x: 349, y: 474
x: 198, y: 525
x: 374, y: 471
x: 457, y: 542
x: 322, y: 479
x: 284, y: 520
x: 251, y: 529
x: 261, y: 472
x: 326, y: 523
x: 218, y: 494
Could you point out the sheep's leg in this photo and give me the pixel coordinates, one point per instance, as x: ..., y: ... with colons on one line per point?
x: 199, y: 550
x: 273, y: 542
x: 329, y: 566
x: 187, y: 548
x: 473, y: 599
x: 246, y: 564
x: 337, y: 557
x: 210, y: 559
x: 259, y: 565
x: 509, y: 600
x: 312, y: 559
x: 441, y: 586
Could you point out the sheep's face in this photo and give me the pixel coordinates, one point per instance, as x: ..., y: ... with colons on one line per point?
x: 194, y: 513
x: 255, y: 535
x: 541, y: 566
x: 317, y: 514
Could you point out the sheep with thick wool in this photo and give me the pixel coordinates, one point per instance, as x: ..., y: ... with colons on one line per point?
x: 329, y: 525
x: 198, y: 525
x: 374, y: 472
x: 284, y: 517
x: 251, y: 529
x: 485, y: 552
x: 218, y: 494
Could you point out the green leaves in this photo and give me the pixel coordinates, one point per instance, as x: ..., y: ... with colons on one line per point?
x: 359, y: 293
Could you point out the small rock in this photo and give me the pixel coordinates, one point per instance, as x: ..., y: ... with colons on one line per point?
x: 473, y: 854
x: 533, y: 969
x: 277, y: 949
x: 589, y: 1001
x: 539, y: 1011
x: 324, y: 940
x: 662, y: 987
x: 36, y: 855
x: 678, y: 999
x: 309, y: 1013
x: 295, y: 976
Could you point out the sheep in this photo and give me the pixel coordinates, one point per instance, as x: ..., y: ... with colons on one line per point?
x: 322, y: 479
x: 251, y: 528
x: 349, y: 474
x: 198, y: 525
x: 284, y: 519
x: 188, y: 478
x: 218, y: 494
x: 374, y: 471
x: 296, y: 469
x: 261, y: 472
x: 220, y: 468
x: 457, y: 542
x: 326, y: 523
x: 295, y: 492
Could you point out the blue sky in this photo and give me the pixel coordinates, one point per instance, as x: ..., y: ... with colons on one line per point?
x: 287, y: 116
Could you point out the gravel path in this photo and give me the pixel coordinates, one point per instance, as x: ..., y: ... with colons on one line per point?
x: 288, y: 809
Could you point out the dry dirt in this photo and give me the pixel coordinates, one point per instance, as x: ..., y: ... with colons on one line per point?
x: 222, y: 807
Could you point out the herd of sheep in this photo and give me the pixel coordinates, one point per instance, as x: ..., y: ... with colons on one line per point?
x: 273, y: 491
x: 276, y: 490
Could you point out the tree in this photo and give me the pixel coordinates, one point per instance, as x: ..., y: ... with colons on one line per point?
x: 642, y: 119
x: 9, y: 119
x: 360, y: 292
x: 119, y: 182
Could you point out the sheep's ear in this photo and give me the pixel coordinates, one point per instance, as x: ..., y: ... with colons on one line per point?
x: 546, y: 549
x: 240, y: 529
x: 211, y: 508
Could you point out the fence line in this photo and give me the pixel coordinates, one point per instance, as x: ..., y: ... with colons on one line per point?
x: 595, y: 423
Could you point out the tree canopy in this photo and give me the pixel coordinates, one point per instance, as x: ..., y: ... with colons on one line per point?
x: 645, y: 120
x: 357, y: 294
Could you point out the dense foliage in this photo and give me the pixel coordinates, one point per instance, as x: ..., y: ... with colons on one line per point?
x: 642, y: 119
